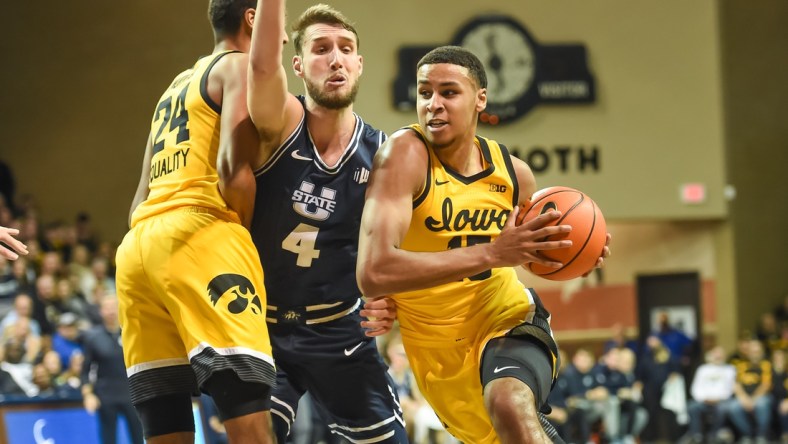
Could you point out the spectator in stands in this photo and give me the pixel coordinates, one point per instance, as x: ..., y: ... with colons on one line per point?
x: 587, y: 392
x: 619, y: 339
x: 73, y: 302
x: 8, y: 283
x: 106, y: 391
x: 46, y: 309
x: 742, y: 346
x: 780, y: 392
x: 781, y: 311
x: 51, y: 264
x: 752, y: 395
x: 570, y: 422
x: 99, y: 276
x: 20, y: 332
x: 85, y: 233
x: 24, y: 275
x: 768, y: 332
x: 655, y: 366
x: 22, y: 308
x: 634, y: 417
x: 66, y: 341
x: 19, y: 370
x: 712, y: 387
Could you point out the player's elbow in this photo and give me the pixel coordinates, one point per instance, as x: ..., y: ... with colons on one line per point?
x: 371, y: 281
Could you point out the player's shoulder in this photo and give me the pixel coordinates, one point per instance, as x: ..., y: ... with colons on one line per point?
x: 404, y: 146
x: 370, y: 135
x: 229, y: 63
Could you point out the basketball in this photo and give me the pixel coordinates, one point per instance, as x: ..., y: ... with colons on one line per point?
x: 588, y: 233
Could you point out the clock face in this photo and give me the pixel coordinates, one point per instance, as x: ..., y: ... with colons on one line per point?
x: 508, y: 59
x: 509, y: 55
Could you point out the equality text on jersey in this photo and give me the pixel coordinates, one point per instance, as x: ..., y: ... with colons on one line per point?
x: 166, y: 165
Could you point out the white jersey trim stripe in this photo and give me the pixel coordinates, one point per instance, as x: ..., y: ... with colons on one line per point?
x: 228, y: 351
x: 161, y: 363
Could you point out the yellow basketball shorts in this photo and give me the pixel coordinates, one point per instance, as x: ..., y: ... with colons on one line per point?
x: 448, y: 378
x: 192, y: 302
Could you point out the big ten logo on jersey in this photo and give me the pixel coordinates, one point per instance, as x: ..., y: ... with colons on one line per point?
x: 308, y: 204
x: 495, y: 188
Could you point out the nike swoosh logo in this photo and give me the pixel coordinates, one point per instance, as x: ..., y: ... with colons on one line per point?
x: 349, y: 352
x: 299, y: 157
x: 498, y: 370
x: 438, y: 182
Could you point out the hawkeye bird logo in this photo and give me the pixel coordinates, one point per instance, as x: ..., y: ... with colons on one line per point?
x: 239, y: 286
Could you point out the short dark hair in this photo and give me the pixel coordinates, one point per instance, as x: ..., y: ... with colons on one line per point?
x: 457, y: 55
x: 322, y: 14
x: 226, y: 15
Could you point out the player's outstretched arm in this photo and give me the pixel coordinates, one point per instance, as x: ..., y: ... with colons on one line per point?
x: 238, y: 142
x: 271, y: 107
x: 15, y: 246
x: 142, y: 187
x: 384, y: 268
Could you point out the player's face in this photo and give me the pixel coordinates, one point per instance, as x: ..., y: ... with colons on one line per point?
x: 448, y: 103
x: 330, y: 65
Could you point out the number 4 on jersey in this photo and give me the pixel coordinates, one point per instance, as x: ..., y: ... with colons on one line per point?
x: 301, y: 241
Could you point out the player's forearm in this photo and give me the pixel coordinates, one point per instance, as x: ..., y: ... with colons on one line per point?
x: 399, y: 270
x: 265, y: 54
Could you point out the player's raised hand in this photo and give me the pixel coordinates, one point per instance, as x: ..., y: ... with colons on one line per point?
x: 15, y: 247
x: 380, y: 314
x: 517, y: 245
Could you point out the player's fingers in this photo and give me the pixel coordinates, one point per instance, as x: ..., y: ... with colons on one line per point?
x: 8, y: 254
x: 541, y: 260
x: 550, y: 245
x: 551, y: 230
x: 542, y: 220
x: 510, y: 222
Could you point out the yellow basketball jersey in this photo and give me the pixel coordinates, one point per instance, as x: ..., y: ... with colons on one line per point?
x: 185, y: 132
x: 454, y: 211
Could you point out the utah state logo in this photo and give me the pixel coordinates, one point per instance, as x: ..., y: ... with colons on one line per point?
x: 241, y: 287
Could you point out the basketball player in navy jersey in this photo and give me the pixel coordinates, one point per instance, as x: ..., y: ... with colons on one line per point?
x: 316, y: 156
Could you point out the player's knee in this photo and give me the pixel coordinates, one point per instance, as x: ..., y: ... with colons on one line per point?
x: 166, y: 414
x: 235, y: 397
x: 507, y: 397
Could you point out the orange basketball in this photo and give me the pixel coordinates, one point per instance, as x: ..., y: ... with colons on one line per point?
x: 588, y: 231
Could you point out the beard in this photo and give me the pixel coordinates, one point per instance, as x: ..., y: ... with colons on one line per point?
x: 334, y: 99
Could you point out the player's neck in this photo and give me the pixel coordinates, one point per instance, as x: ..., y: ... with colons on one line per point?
x: 463, y: 156
x: 235, y: 43
x: 331, y: 130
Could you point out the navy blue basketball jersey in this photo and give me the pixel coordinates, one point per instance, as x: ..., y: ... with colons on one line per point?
x: 307, y: 218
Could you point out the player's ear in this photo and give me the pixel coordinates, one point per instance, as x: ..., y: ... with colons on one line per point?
x: 249, y: 18
x: 481, y: 100
x: 298, y: 66
x: 360, y: 65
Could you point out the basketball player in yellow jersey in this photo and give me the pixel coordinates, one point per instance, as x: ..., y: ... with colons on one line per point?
x: 438, y: 235
x: 189, y: 280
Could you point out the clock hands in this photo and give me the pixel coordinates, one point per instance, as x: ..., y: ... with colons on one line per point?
x: 495, y: 62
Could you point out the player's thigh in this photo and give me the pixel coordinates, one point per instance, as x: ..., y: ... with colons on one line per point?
x: 448, y: 378
x: 214, y: 290
x: 153, y: 349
